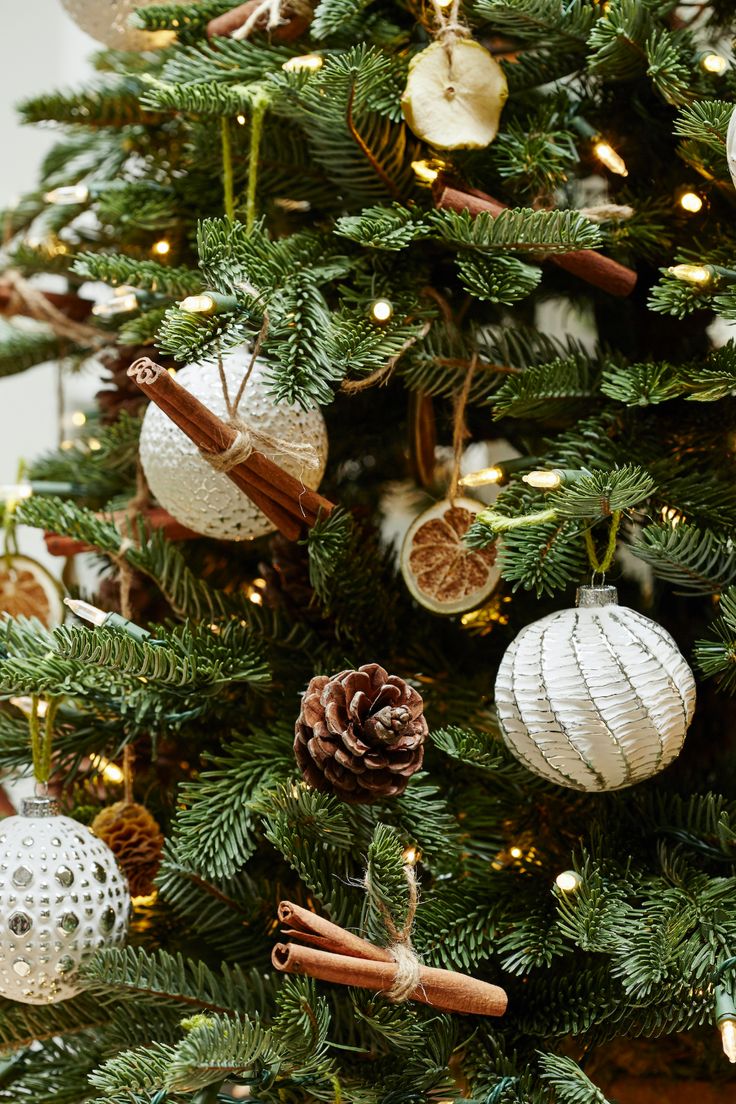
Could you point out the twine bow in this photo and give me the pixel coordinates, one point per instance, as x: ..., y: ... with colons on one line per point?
x: 408, y: 964
x: 249, y: 438
x: 450, y: 26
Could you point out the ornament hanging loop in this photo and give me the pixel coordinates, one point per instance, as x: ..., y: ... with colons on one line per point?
x: 601, y: 566
x: 42, y: 737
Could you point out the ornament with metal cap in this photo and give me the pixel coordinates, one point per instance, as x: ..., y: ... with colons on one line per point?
x: 595, y: 698
x: 62, y: 896
x: 111, y: 22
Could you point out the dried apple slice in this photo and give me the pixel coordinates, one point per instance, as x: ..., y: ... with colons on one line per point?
x: 441, y: 572
x: 454, y: 95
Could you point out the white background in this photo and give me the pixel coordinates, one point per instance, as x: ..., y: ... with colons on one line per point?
x: 40, y: 50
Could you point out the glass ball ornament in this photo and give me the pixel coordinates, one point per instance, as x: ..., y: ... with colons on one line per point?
x: 731, y: 146
x: 595, y: 698
x: 109, y: 22
x: 206, y: 500
x: 62, y: 897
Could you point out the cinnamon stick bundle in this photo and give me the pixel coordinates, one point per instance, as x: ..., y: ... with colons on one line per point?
x: 336, y: 955
x: 282, y: 498
x: 590, y: 266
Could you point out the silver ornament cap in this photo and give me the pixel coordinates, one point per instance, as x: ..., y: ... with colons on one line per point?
x: 62, y: 897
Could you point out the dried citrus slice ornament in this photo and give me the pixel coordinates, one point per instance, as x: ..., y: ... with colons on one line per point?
x: 27, y: 589
x: 441, y: 572
x: 454, y: 95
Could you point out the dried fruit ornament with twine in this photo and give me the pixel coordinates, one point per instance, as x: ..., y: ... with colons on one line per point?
x: 62, y: 895
x: 456, y: 89
x: 440, y: 570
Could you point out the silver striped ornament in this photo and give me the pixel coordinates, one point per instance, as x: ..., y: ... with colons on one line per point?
x: 595, y: 698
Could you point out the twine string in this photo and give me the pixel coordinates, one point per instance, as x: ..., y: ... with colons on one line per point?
x: 450, y: 26
x: 276, y: 12
x: 408, y: 965
x: 39, y: 307
x: 459, y: 428
x: 249, y: 438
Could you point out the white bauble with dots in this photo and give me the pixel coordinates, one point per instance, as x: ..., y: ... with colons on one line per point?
x: 109, y: 22
x: 62, y: 897
x: 206, y: 500
x: 595, y: 698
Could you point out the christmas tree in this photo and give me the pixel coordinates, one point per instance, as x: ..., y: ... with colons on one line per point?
x: 426, y: 306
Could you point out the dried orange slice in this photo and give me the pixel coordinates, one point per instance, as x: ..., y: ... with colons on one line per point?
x: 441, y: 572
x: 27, y: 589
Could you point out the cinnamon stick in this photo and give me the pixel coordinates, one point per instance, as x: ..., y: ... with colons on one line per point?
x: 154, y: 517
x: 285, y: 500
x: 339, y: 956
x: 600, y: 271
x: 232, y: 20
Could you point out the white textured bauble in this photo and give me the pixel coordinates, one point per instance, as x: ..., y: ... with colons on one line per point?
x: 206, y: 500
x: 595, y: 698
x: 107, y: 21
x: 62, y: 897
x: 731, y: 146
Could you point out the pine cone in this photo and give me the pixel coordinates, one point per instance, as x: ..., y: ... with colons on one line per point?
x: 360, y: 734
x: 135, y: 839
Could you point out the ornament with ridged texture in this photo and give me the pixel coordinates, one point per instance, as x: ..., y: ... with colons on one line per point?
x: 595, y: 698
x: 62, y: 897
x: 109, y: 22
x: 206, y: 500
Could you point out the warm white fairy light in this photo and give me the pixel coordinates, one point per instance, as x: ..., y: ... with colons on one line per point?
x: 161, y: 248
x: 10, y: 493
x: 543, y: 480
x: 410, y: 856
x: 568, y: 881
x: 607, y: 156
x: 240, y: 120
x: 427, y: 170
x: 93, y: 444
x: 86, y: 611
x: 700, y: 275
x: 691, y: 202
x: 304, y: 61
x: 714, y: 63
x: 198, y: 304
x: 515, y: 852
x: 119, y: 304
x: 727, y: 1029
x: 110, y: 771
x: 381, y: 310
x: 483, y: 477
x: 79, y: 418
x: 68, y: 195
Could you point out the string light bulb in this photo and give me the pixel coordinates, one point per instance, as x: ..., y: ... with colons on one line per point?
x: 515, y: 852
x: 691, y: 202
x: 198, y: 304
x: 483, y: 477
x: 382, y: 310
x: 240, y: 120
x: 118, y: 304
x: 12, y: 493
x: 699, y: 275
x: 427, y: 171
x: 725, y: 1015
x: 110, y: 620
x: 68, y: 195
x: 607, y: 156
x: 410, y: 856
x: 161, y: 248
x: 310, y: 62
x: 569, y: 881
x: 713, y: 63
x: 543, y: 480
x: 110, y: 771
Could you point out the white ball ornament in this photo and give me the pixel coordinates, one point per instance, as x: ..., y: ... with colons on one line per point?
x: 206, y: 500
x: 109, y: 22
x: 62, y: 897
x: 595, y: 698
x: 731, y: 146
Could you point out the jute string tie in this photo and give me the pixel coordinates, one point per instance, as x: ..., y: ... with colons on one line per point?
x: 408, y: 965
x: 39, y: 307
x: 249, y: 438
x: 450, y: 26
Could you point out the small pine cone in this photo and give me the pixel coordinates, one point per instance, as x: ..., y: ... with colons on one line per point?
x: 360, y: 734
x: 136, y: 841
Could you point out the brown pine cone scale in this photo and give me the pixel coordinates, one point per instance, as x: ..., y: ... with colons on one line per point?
x: 360, y: 734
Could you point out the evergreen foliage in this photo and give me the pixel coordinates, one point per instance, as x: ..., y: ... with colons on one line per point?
x: 298, y: 197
